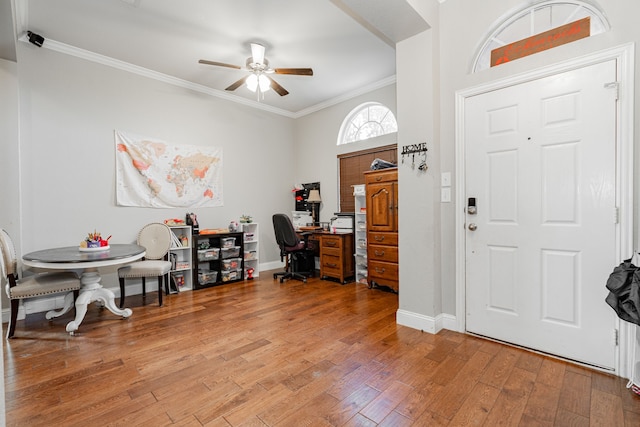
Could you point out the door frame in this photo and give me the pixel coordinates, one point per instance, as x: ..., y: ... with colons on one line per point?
x: 625, y: 242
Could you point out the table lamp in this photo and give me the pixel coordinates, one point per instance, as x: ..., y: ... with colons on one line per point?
x: 314, y: 199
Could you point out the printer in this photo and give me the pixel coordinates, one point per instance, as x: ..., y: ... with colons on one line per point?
x: 342, y: 222
x: 301, y: 219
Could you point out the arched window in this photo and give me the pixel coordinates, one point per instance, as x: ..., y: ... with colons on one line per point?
x: 367, y: 121
x: 535, y: 19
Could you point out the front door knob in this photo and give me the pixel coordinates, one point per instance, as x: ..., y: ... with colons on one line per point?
x: 472, y: 227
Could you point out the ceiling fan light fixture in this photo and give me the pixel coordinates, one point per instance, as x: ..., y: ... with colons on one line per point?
x: 264, y: 83
x: 258, y: 67
x: 255, y: 81
x: 252, y: 82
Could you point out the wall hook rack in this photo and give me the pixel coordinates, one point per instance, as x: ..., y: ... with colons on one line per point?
x: 412, y: 150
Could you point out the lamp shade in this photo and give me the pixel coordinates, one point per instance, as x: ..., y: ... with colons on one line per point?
x: 314, y: 196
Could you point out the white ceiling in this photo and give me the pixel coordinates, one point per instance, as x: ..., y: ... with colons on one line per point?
x: 348, y: 43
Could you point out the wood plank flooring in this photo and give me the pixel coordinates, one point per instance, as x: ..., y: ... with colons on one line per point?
x: 261, y: 353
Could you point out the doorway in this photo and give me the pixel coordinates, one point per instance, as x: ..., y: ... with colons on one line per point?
x: 541, y: 167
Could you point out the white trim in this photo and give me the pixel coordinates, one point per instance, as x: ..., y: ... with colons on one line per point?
x: 426, y: 323
x: 624, y: 55
x: 145, y: 72
x: 346, y: 96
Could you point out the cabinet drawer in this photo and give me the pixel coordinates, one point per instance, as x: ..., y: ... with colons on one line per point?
x: 381, y: 238
x: 332, y: 251
x: 329, y: 264
x: 382, y: 270
x: 331, y: 242
x: 383, y: 253
x: 390, y: 175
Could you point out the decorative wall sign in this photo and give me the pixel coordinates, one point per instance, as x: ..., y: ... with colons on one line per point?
x: 549, y: 39
x: 412, y: 150
x: 152, y: 173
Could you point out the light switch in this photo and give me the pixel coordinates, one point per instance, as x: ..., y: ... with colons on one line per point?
x: 445, y: 195
x: 445, y: 179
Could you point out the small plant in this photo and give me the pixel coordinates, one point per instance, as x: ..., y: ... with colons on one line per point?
x: 246, y: 218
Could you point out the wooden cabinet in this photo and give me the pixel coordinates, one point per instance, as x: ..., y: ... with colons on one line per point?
x: 382, y: 227
x: 336, y: 256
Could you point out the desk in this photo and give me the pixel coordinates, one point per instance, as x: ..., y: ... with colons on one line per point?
x: 71, y: 258
x: 336, y: 255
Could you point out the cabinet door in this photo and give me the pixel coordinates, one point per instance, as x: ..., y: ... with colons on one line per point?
x: 381, y: 206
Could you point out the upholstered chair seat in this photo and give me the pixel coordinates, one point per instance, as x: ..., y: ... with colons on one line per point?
x: 32, y: 286
x: 156, y: 239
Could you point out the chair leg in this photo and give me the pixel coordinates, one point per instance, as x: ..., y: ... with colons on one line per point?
x: 11, y: 327
x: 160, y: 291
x: 144, y: 288
x: 122, y: 292
x: 167, y: 283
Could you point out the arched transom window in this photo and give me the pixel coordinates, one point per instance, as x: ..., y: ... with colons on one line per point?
x: 535, y: 19
x: 367, y: 121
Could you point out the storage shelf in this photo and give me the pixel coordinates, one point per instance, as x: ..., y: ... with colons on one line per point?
x: 181, y: 254
x: 210, y: 252
x: 251, y: 245
x: 360, y: 243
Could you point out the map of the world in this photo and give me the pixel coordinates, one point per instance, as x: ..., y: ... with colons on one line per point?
x: 154, y: 173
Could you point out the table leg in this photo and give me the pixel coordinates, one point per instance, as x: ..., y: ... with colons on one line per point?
x: 68, y: 303
x: 91, y: 290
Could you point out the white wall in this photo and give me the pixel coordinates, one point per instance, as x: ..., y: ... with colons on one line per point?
x: 69, y: 111
x: 9, y: 208
x: 426, y: 110
x: 316, y: 136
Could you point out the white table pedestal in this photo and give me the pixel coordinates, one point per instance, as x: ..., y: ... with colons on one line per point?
x: 91, y: 290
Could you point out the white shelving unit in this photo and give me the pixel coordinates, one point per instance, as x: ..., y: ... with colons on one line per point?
x: 180, y: 256
x: 250, y: 232
x: 360, y: 241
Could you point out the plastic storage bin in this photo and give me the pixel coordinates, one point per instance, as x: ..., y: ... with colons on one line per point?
x: 231, y: 263
x: 250, y: 255
x: 230, y: 252
x: 227, y: 242
x: 228, y: 275
x: 207, y: 276
x: 208, y: 254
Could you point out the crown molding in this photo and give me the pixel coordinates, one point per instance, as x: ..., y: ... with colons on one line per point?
x: 145, y: 72
x: 349, y: 95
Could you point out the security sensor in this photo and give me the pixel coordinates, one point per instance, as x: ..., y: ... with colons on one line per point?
x: 36, y: 39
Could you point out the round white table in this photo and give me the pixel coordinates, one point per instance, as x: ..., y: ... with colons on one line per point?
x: 71, y: 258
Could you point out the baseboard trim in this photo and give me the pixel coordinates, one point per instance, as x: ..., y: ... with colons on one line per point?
x: 426, y: 323
x: 54, y: 302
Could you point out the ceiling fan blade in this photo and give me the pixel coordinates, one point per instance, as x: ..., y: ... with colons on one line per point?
x: 219, y: 64
x: 276, y: 86
x: 257, y: 53
x: 296, y: 71
x: 237, y: 84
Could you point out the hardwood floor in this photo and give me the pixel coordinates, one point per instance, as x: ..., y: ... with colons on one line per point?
x: 261, y: 353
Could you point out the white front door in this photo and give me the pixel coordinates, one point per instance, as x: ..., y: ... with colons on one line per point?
x: 540, y: 163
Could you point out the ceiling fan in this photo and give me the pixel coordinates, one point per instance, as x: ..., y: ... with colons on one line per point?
x: 258, y: 79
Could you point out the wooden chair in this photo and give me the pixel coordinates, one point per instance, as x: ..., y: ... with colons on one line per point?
x: 156, y: 239
x: 33, y: 286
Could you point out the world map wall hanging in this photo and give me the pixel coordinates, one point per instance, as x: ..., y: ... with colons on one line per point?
x: 153, y: 173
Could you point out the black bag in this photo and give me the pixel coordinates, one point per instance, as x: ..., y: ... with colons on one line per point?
x: 624, y: 291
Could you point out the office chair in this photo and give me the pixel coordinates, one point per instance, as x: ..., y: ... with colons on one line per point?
x: 291, y: 248
x: 156, y: 239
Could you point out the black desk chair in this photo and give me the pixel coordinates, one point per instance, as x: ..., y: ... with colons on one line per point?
x: 296, y: 252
